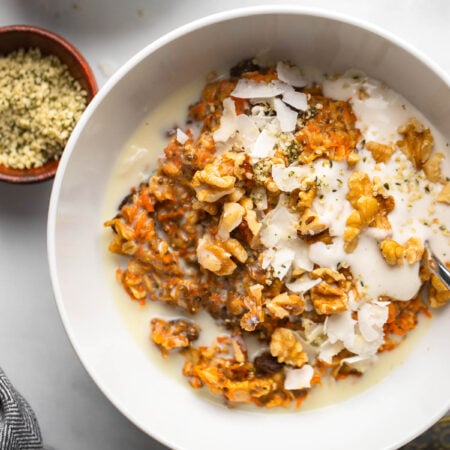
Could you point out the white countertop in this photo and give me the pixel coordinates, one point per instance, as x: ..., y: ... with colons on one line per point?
x: 34, y: 349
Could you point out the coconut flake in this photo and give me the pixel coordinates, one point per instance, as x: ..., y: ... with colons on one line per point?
x: 248, y: 132
x: 352, y: 301
x: 263, y: 146
x: 289, y: 178
x: 182, y: 137
x: 285, y: 115
x: 301, y: 260
x: 259, y: 197
x: 328, y: 350
x: 267, y: 259
x: 282, y: 262
x: 278, y: 225
x: 360, y: 363
x: 290, y: 74
x: 254, y: 89
x: 271, y: 235
x: 297, y: 100
x: 228, y: 123
x: 259, y: 117
x: 340, y: 327
x: 311, y: 329
x: 302, y: 285
x: 277, y: 235
x: 371, y: 318
x: 359, y: 346
x: 298, y: 378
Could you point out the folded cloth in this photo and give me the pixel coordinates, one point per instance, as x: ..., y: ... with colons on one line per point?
x: 18, y: 425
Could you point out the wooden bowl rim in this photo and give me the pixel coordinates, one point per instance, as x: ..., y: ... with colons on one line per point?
x: 48, y: 170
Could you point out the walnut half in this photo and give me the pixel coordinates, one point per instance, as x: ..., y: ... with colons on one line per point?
x: 287, y: 348
x: 216, y: 256
x: 328, y: 298
x: 395, y: 253
x: 417, y: 142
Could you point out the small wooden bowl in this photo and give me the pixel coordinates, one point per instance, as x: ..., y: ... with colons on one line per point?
x: 15, y: 37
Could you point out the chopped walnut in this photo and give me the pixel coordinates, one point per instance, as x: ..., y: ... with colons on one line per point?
x: 123, y: 230
x: 210, y: 208
x: 371, y: 209
x: 368, y: 208
x: 252, y: 222
x: 129, y: 248
x: 392, y: 252
x: 231, y: 217
x: 353, y: 158
x: 432, y: 168
x: 305, y: 197
x: 216, y: 179
x: 386, y: 205
x: 309, y: 224
x: 285, y: 305
x: 212, y: 176
x: 353, y: 227
x: 444, y: 195
x: 250, y: 216
x: 417, y: 142
x: 424, y: 269
x: 211, y: 195
x: 359, y: 185
x: 233, y: 379
x: 271, y: 186
x: 254, y: 304
x: 239, y: 348
x: 328, y: 299
x: 287, y: 348
x: 242, y: 166
x: 236, y: 195
x: 328, y: 275
x: 439, y: 294
x: 168, y: 335
x: 234, y: 390
x: 395, y: 253
x: 161, y: 187
x: 236, y: 249
x: 214, y: 257
x: 366, y: 212
x: 380, y: 152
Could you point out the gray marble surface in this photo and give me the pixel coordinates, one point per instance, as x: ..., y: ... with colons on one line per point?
x: 34, y: 349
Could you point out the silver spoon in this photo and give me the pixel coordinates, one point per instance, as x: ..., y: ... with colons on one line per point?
x: 438, y: 267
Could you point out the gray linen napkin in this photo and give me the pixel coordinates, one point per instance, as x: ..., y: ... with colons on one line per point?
x: 18, y: 425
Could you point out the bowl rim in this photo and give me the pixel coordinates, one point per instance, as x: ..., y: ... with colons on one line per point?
x: 25, y: 176
x: 152, y: 47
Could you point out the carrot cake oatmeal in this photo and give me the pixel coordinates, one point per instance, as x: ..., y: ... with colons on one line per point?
x: 295, y: 211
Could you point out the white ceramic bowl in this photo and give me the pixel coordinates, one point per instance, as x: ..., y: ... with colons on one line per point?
x: 387, y: 415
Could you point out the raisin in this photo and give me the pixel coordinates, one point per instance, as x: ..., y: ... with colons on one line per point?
x: 247, y: 65
x: 266, y: 364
